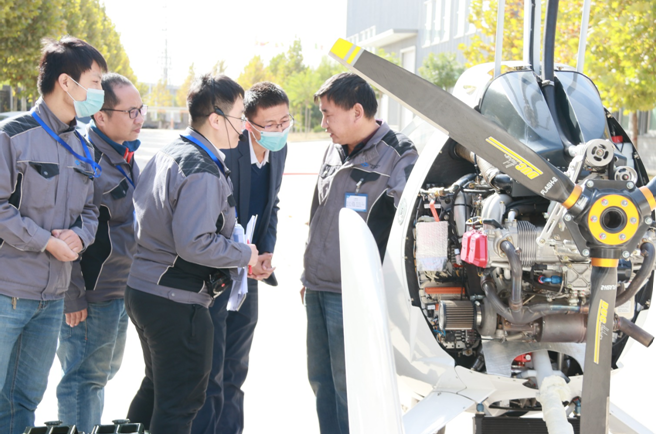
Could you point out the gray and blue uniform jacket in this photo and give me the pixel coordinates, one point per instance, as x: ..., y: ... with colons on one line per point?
x: 42, y: 187
x: 378, y: 169
x: 185, y: 216
x: 103, y: 268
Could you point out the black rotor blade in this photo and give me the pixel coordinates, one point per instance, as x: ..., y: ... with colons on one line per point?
x: 462, y: 123
x: 597, y: 362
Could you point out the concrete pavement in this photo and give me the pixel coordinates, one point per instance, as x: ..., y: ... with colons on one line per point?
x: 278, y: 397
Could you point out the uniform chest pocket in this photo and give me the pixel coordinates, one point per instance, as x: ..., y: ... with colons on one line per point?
x: 47, y: 170
x: 363, y: 177
x: 39, y: 186
x: 120, y: 191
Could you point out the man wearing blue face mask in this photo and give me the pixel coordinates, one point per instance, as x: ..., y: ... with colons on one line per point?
x: 256, y: 170
x: 47, y: 218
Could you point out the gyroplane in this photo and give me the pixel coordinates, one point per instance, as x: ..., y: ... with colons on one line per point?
x: 521, y: 258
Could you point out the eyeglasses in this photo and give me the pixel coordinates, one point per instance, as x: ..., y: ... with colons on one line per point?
x: 274, y: 126
x: 220, y: 112
x: 132, y: 113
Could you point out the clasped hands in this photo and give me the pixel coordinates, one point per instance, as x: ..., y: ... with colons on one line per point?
x: 262, y: 269
x: 64, y: 245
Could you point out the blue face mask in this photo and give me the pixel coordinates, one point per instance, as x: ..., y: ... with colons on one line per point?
x: 274, y: 141
x: 91, y: 105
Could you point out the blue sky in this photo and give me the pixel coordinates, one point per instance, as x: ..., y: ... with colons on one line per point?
x: 202, y: 32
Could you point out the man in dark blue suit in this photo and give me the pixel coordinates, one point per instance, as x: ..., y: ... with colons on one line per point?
x: 256, y: 170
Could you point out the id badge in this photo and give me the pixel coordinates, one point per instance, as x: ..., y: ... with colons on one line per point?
x: 357, y: 202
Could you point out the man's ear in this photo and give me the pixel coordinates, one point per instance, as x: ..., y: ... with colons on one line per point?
x: 100, y: 118
x: 359, y: 111
x: 215, y: 120
x: 64, y: 81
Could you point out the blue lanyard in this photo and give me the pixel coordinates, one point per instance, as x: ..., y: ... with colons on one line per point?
x: 119, y: 168
x: 207, y: 151
x: 95, y: 166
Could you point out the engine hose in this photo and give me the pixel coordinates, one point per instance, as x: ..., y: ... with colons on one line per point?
x: 648, y: 253
x: 526, y: 314
x: 515, y: 302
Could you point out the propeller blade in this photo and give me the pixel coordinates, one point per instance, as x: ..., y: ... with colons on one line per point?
x: 460, y: 122
x: 597, y: 362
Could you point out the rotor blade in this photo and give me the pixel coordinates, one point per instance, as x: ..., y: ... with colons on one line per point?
x: 463, y: 124
x: 597, y: 363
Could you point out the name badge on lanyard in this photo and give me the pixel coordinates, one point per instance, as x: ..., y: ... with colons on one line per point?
x: 355, y: 201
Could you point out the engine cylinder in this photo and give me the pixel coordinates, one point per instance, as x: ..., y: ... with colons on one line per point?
x: 456, y: 315
x: 527, y: 234
x: 562, y: 328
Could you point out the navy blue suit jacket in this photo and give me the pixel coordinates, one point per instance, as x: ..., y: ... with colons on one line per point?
x: 238, y: 161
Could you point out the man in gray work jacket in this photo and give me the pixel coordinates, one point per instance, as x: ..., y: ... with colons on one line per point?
x: 91, y: 353
x: 47, y: 217
x: 365, y: 169
x: 256, y: 169
x: 186, y: 215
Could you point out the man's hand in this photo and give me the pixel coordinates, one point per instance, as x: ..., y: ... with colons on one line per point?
x: 263, y: 268
x: 254, y: 255
x: 60, y: 250
x: 75, y: 318
x: 302, y: 293
x: 70, y: 238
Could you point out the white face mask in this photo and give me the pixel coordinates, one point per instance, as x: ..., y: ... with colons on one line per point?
x: 92, y: 103
x: 273, y: 141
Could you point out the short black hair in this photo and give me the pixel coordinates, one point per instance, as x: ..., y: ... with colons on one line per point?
x: 207, y: 93
x: 69, y: 55
x: 346, y: 89
x: 263, y: 95
x: 110, y: 82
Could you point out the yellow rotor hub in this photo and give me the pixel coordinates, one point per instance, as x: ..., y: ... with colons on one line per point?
x: 613, y: 220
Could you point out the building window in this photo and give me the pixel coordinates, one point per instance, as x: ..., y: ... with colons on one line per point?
x: 461, y: 18
x: 438, y: 21
x: 470, y: 25
x: 427, y: 22
x: 447, y: 20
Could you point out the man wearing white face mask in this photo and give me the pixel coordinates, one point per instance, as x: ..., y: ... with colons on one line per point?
x: 256, y: 170
x: 47, y: 218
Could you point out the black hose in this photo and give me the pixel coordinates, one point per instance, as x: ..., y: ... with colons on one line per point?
x: 515, y: 302
x: 526, y: 314
x: 648, y: 253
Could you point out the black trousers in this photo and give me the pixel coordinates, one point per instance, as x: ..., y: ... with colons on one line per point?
x: 176, y: 340
x: 223, y: 411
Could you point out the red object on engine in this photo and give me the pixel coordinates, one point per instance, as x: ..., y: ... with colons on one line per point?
x: 474, y: 248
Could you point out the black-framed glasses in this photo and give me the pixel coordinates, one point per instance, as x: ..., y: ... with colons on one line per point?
x: 220, y: 112
x: 132, y: 113
x: 284, y: 124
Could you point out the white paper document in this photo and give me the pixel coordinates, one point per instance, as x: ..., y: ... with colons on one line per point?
x: 240, y: 289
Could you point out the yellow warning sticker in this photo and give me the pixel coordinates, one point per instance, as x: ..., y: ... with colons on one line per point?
x: 600, y: 329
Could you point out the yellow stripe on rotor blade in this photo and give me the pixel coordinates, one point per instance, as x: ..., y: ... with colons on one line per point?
x: 353, y: 54
x: 341, y: 48
x: 506, y: 150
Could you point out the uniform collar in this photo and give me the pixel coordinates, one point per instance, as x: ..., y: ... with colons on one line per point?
x: 254, y: 159
x: 55, y: 124
x: 192, y: 132
x: 120, y: 148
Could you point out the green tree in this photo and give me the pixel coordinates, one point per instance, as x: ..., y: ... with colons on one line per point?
x: 159, y: 96
x: 442, y: 69
x: 284, y: 65
x: 300, y: 89
x: 24, y: 24
x: 219, y: 67
x: 620, y: 55
x: 253, y: 73
x: 328, y: 67
x: 181, y: 94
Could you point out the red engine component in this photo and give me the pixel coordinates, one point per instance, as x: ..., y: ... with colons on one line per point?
x: 474, y: 248
x: 523, y: 358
